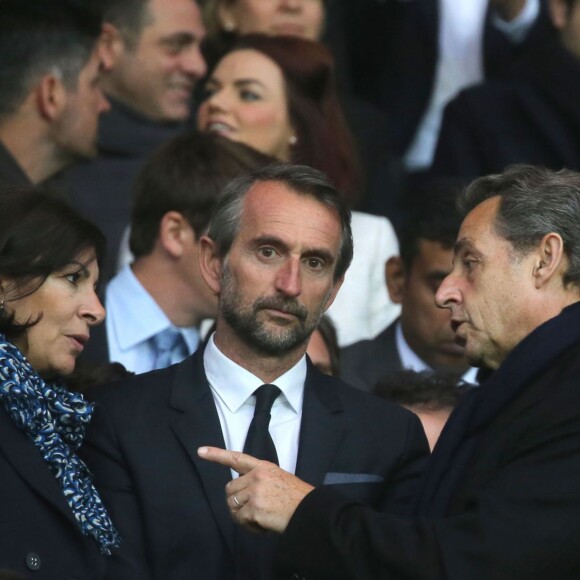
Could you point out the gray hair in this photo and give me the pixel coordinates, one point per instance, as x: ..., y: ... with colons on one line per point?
x: 226, y: 222
x: 534, y: 201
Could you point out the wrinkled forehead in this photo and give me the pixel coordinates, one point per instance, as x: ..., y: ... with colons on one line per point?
x: 274, y: 207
x: 480, y: 220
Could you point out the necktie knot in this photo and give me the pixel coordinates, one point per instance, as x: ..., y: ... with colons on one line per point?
x: 259, y: 442
x: 165, y: 344
x: 265, y: 397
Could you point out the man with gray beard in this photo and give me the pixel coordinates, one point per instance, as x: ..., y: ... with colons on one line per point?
x: 275, y: 255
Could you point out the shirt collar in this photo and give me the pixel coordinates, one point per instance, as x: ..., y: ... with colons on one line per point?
x: 412, y: 362
x: 127, y: 300
x: 235, y: 385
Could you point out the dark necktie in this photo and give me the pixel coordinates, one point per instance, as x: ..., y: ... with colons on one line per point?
x: 258, y: 440
x: 255, y: 552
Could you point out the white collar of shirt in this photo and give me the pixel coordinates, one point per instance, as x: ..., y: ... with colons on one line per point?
x: 412, y: 362
x: 234, y: 385
x: 134, y: 316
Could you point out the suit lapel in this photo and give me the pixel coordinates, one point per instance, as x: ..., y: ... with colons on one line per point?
x: 27, y: 461
x: 385, y: 357
x: 322, y: 428
x: 196, y: 423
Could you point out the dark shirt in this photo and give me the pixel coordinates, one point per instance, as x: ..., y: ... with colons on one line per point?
x: 102, y: 188
x: 533, y: 118
x: 11, y: 174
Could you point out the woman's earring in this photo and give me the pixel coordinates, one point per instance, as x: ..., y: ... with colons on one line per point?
x: 293, y: 140
x: 229, y: 26
x: 2, y: 308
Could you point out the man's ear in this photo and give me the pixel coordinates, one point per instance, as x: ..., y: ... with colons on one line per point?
x: 549, y: 259
x: 175, y: 233
x: 210, y: 264
x: 111, y: 45
x: 334, y: 292
x: 51, y: 96
x: 559, y: 13
x: 395, y: 277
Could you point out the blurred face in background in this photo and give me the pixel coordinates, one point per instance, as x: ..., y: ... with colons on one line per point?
x: 246, y: 102
x: 566, y: 19
x: 157, y: 75
x: 75, y: 129
x: 303, y: 18
x: 426, y: 328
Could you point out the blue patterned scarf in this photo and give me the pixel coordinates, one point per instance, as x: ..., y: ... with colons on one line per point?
x: 56, y: 419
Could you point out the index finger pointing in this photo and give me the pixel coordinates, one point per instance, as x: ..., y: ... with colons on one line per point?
x: 235, y: 460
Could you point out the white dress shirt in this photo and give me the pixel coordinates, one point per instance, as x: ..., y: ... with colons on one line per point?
x: 412, y: 362
x: 232, y: 388
x: 133, y: 318
x: 362, y: 307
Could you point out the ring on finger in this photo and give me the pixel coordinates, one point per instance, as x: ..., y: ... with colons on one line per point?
x: 236, y: 501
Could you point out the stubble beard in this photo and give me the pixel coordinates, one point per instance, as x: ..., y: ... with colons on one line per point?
x: 257, y: 333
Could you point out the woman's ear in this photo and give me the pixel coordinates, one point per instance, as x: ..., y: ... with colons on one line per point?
x: 226, y: 16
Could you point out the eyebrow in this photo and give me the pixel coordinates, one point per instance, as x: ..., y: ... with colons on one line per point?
x: 237, y: 83
x: 438, y: 274
x: 182, y: 38
x: 308, y: 253
x: 462, y: 244
x: 82, y: 267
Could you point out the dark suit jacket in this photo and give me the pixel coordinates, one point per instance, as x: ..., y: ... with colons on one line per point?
x: 96, y: 350
x: 170, y: 505
x: 500, y: 500
x: 363, y: 363
x: 102, y: 189
x: 387, y: 52
x: 532, y: 118
x: 11, y: 174
x: 37, y: 527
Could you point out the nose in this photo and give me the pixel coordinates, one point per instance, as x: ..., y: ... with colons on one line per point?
x: 448, y: 293
x: 193, y: 63
x: 92, y: 310
x: 289, y: 278
x: 218, y: 101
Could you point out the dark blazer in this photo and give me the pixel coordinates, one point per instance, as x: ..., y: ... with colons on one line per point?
x: 363, y: 363
x: 39, y: 536
x: 532, y: 118
x: 387, y: 52
x: 500, y: 500
x: 170, y: 505
x: 11, y: 174
x: 96, y: 350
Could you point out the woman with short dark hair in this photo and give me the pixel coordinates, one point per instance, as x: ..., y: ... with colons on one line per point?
x: 53, y: 521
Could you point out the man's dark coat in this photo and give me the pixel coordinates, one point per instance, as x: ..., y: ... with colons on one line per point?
x: 500, y: 499
x: 170, y: 505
